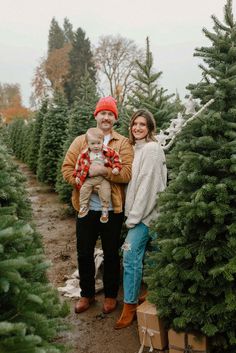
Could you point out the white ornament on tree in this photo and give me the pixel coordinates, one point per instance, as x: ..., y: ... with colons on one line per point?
x: 176, y: 126
x: 190, y: 106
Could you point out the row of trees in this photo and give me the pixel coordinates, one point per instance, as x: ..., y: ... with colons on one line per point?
x: 31, y: 315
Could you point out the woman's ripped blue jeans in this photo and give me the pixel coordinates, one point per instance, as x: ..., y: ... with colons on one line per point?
x: 133, y: 254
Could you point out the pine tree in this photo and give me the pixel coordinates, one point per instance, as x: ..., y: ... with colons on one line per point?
x: 179, y: 107
x: 53, y: 136
x: 30, y: 311
x: 80, y: 119
x: 15, y: 131
x: 56, y: 37
x: 27, y: 136
x: 81, y: 60
x: 192, y: 278
x: 36, y: 136
x: 147, y: 93
x: 68, y: 31
x: 13, y: 197
x: 122, y: 125
x: 84, y: 107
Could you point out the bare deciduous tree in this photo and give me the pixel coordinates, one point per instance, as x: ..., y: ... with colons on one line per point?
x: 115, y: 58
x: 40, y: 84
x: 51, y: 74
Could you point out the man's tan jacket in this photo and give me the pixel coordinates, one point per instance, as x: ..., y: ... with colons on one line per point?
x: 122, y: 146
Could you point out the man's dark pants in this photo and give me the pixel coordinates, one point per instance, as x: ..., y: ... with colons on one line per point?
x: 88, y: 229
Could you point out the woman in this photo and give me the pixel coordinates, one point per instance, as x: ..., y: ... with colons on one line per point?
x: 148, y: 179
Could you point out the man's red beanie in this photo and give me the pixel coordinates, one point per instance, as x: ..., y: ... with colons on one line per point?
x: 107, y: 103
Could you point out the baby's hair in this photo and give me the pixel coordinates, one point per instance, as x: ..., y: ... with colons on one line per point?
x: 94, y: 132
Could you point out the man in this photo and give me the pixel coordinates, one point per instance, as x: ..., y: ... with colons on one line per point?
x: 89, y: 228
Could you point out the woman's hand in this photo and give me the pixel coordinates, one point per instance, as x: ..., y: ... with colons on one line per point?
x: 129, y: 225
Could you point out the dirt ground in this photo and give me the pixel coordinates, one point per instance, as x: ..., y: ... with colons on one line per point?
x: 91, y: 331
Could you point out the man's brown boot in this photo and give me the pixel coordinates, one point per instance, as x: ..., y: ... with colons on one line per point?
x: 109, y: 305
x: 127, y: 316
x: 83, y: 304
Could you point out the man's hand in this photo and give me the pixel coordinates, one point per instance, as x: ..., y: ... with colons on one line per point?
x: 96, y: 170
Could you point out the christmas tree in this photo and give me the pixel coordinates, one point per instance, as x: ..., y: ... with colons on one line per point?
x: 15, y: 136
x: 36, y: 136
x: 80, y: 119
x: 192, y: 278
x: 52, y: 139
x: 27, y: 137
x: 148, y: 94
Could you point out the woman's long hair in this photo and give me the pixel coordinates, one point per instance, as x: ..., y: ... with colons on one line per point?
x: 151, y: 125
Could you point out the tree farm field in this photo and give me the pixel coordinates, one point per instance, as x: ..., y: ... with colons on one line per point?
x: 91, y: 331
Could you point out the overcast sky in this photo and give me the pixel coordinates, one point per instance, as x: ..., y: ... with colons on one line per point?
x: 173, y: 26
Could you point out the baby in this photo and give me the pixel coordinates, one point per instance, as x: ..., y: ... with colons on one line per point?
x: 96, y: 154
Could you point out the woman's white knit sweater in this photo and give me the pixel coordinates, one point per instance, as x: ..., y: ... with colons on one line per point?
x: 149, y: 175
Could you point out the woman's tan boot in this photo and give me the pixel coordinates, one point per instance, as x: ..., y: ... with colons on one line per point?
x: 127, y: 316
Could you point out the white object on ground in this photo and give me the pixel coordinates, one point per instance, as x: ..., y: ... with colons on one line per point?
x: 72, y: 286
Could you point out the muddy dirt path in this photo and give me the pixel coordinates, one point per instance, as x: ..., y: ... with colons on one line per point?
x: 91, y: 331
